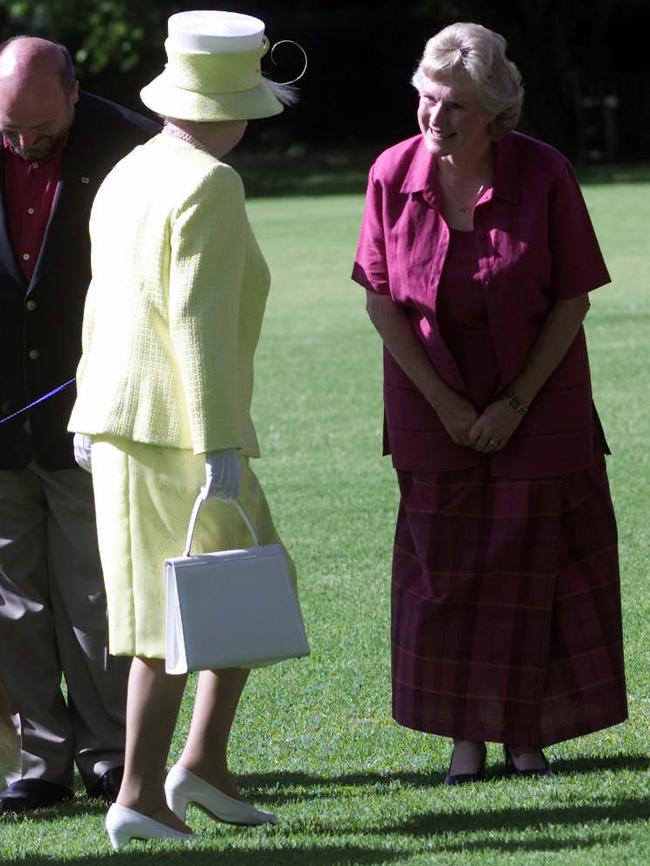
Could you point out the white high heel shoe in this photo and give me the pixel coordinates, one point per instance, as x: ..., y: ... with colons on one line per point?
x: 124, y: 824
x: 182, y: 788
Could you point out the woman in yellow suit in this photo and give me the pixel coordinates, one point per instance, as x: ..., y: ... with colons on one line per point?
x: 172, y: 319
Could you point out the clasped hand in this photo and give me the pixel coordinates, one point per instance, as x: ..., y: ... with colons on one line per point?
x: 487, y: 431
x: 494, y: 427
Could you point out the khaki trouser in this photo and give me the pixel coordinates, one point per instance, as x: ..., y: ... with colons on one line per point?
x: 53, y: 624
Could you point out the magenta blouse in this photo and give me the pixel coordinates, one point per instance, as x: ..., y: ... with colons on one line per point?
x: 534, y: 244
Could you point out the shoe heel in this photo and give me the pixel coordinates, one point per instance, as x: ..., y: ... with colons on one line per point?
x: 512, y: 769
x: 177, y: 803
x: 118, y: 839
x: 461, y: 778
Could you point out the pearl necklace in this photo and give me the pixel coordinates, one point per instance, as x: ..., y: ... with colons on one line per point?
x: 184, y: 136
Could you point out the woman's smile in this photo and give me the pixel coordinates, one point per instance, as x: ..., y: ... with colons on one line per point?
x: 451, y: 119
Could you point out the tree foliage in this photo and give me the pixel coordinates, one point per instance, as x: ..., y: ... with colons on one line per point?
x: 100, y: 34
x: 362, y: 54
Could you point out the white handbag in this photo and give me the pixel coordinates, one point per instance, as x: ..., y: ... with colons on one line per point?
x: 232, y: 608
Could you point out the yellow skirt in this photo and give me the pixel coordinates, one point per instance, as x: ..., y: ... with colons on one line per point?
x: 143, y: 498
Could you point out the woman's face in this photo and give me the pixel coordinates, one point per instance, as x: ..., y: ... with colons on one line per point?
x: 451, y: 119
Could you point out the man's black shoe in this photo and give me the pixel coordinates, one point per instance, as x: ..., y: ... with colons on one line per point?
x: 29, y: 794
x: 107, y: 787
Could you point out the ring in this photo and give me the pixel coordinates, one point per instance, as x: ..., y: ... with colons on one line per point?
x: 493, y: 443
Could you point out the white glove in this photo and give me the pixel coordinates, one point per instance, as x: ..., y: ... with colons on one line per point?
x: 81, y: 444
x: 222, y: 475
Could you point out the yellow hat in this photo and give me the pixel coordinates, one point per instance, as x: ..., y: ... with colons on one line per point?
x: 213, y: 69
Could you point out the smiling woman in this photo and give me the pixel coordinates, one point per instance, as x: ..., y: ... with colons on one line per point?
x: 477, y: 255
x: 455, y: 128
x: 452, y: 120
x: 469, y: 96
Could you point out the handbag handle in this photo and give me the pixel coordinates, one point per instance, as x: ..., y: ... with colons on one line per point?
x: 200, y: 499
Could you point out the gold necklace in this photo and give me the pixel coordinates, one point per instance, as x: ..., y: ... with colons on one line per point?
x: 461, y: 207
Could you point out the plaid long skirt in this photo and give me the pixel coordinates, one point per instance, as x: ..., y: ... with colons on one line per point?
x: 506, y: 614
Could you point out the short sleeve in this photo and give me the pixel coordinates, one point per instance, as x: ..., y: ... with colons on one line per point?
x: 370, y: 265
x: 577, y: 262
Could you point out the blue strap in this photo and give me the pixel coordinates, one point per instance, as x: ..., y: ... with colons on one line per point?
x: 41, y: 399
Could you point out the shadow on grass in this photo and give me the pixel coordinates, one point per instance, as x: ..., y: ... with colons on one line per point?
x: 505, y: 821
x: 273, y: 788
x: 543, y: 843
x: 623, y: 811
x: 149, y: 853
x: 289, y: 787
x: 76, y: 808
x: 576, y: 766
x: 268, y: 789
x: 444, y: 827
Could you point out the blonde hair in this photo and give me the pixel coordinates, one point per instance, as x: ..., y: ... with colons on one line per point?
x: 471, y: 53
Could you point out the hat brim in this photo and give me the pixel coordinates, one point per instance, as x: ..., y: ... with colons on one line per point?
x: 169, y: 100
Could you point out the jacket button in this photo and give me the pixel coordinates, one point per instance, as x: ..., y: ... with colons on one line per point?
x: 31, y: 305
x: 34, y: 354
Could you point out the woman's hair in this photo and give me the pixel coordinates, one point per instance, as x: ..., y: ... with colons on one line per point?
x: 465, y: 52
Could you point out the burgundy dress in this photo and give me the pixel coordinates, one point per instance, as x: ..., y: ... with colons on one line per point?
x: 506, y: 619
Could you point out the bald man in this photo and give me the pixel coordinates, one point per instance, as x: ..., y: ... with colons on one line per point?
x: 57, y: 145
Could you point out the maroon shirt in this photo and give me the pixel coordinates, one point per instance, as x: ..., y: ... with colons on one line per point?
x: 535, y: 245
x: 30, y: 187
x: 463, y: 322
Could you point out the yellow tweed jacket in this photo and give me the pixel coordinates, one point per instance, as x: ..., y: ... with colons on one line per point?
x: 174, y: 309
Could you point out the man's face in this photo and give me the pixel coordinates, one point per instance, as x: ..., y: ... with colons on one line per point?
x: 36, y: 117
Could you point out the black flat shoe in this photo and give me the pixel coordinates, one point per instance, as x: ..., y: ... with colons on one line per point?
x: 463, y: 778
x: 29, y: 794
x: 512, y: 770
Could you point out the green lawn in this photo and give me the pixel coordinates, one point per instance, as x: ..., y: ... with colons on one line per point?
x: 314, y: 739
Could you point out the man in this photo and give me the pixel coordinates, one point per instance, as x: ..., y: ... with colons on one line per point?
x: 57, y: 146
